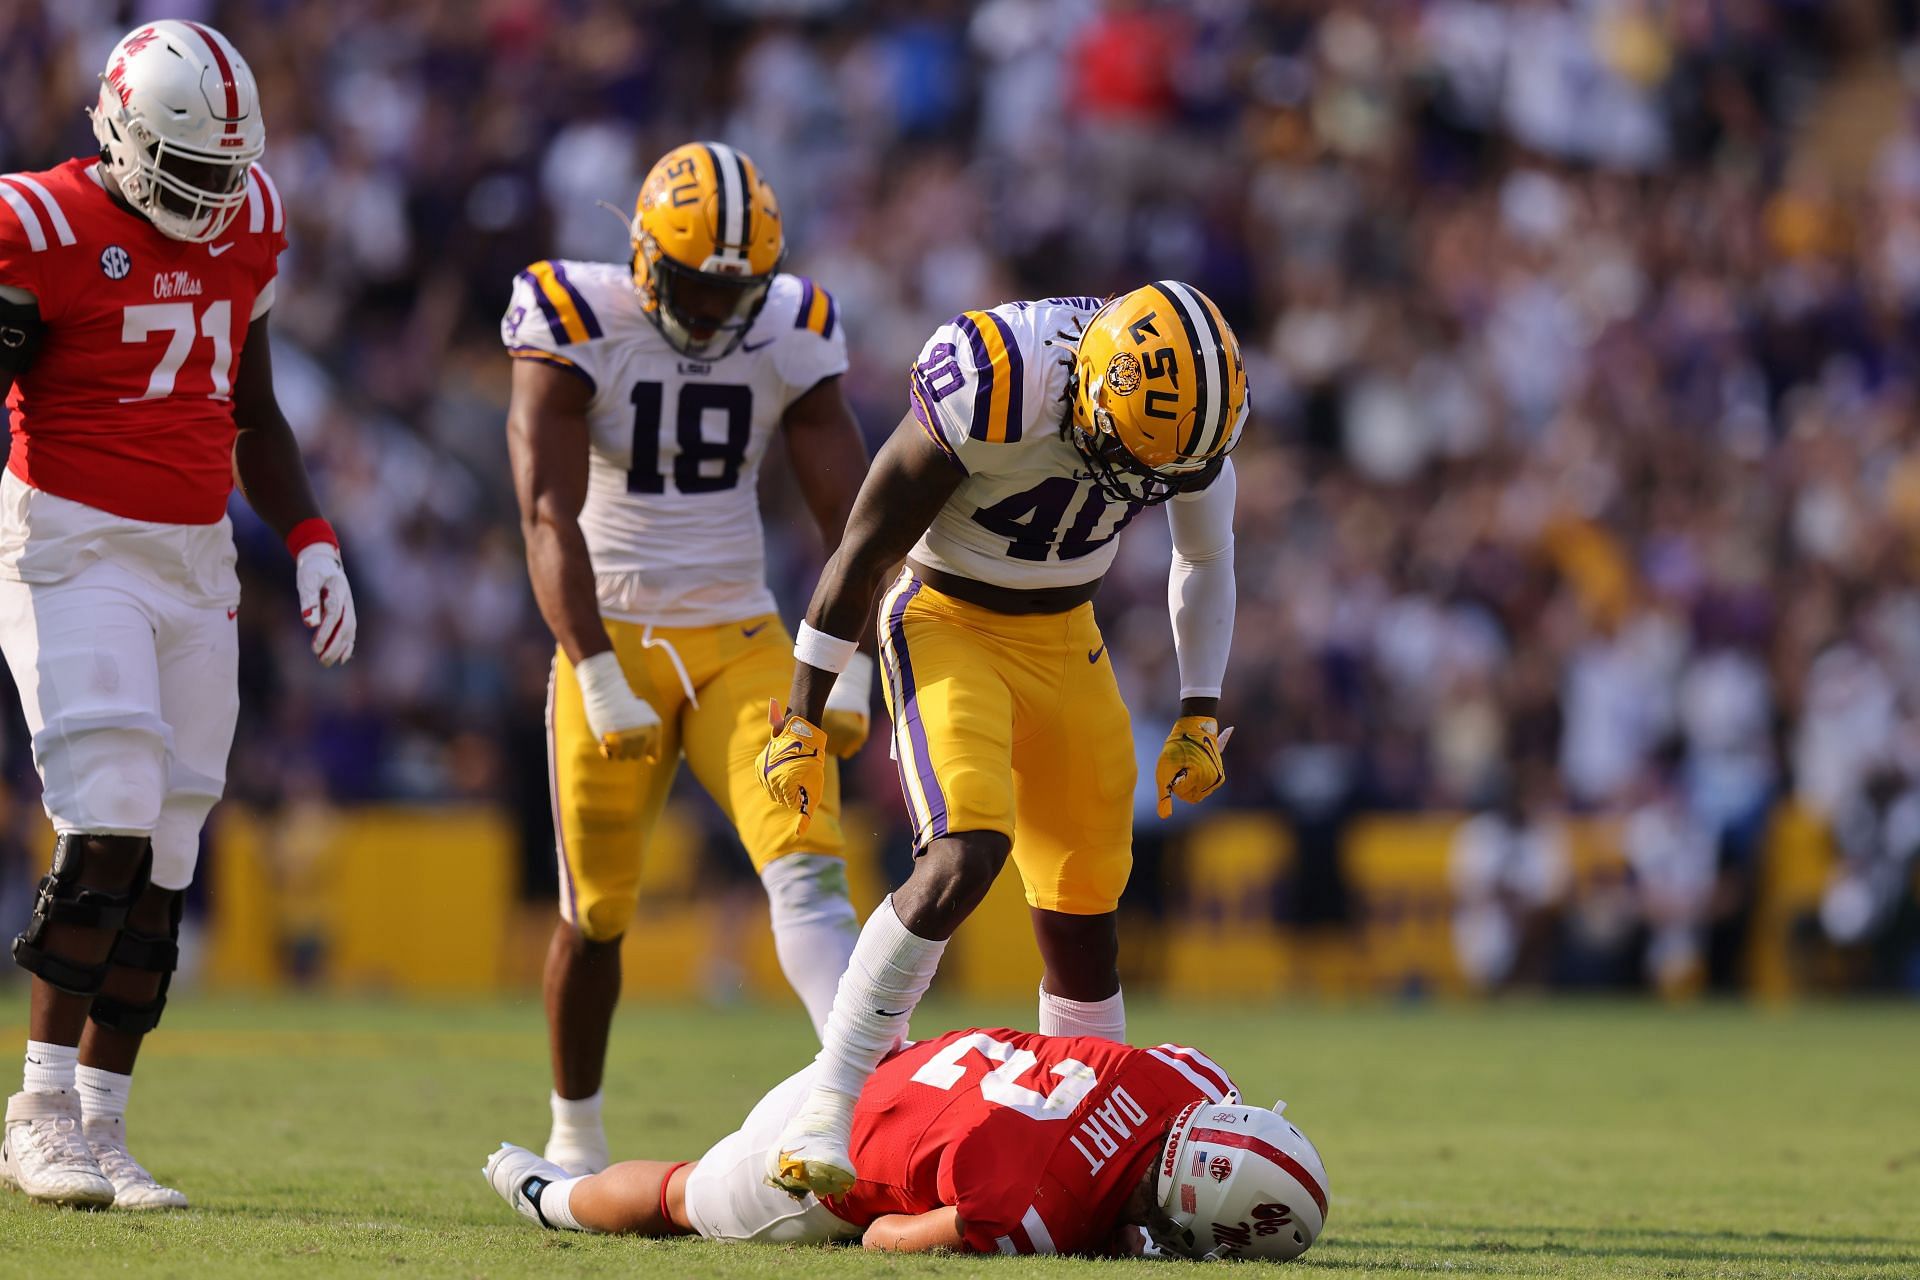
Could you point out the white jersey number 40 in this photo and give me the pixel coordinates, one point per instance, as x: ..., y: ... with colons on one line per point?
x: 1001, y: 1085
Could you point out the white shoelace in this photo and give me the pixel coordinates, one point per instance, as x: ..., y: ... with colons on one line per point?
x: 59, y: 1142
x: 118, y: 1163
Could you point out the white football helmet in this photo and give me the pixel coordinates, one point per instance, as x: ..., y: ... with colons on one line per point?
x: 1238, y: 1182
x: 179, y: 123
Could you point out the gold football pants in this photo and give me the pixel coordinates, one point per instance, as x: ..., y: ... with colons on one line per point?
x: 710, y: 686
x: 1013, y: 724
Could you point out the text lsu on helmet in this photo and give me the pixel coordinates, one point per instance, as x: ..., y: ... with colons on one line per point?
x: 707, y: 242
x: 1237, y: 1182
x: 179, y: 124
x: 1159, y: 393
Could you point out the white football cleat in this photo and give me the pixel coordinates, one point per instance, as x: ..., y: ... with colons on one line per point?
x: 579, y: 1151
x: 812, y: 1154
x: 133, y: 1186
x: 514, y: 1171
x: 44, y: 1155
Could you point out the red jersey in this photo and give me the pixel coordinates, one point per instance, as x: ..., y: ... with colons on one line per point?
x: 128, y: 404
x: 1037, y: 1140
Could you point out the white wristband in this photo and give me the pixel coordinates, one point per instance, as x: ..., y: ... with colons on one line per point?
x: 818, y: 649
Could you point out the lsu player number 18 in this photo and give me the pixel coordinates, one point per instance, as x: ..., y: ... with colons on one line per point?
x: 1037, y: 432
x: 645, y: 394
x: 134, y: 292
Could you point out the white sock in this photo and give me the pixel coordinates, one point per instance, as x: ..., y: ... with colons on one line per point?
x: 103, y: 1094
x: 556, y: 1204
x: 889, y: 971
x: 50, y: 1066
x: 577, y: 1115
x: 1106, y: 1019
x: 814, y: 927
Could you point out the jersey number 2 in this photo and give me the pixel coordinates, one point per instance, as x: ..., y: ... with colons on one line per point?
x: 702, y: 465
x: 1001, y: 1085
x: 176, y: 319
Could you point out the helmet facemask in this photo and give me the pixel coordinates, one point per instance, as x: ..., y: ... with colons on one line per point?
x: 188, y: 194
x: 1120, y: 476
x: 703, y: 314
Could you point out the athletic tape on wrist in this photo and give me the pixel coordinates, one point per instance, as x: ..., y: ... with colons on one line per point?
x: 818, y: 649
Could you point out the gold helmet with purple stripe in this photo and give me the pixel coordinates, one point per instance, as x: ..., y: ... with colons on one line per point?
x: 1159, y: 393
x: 707, y: 242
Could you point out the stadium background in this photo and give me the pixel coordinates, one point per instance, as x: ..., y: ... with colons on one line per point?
x: 1578, y: 641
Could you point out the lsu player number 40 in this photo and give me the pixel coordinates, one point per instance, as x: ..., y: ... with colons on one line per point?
x: 134, y: 290
x: 645, y: 394
x: 1037, y: 431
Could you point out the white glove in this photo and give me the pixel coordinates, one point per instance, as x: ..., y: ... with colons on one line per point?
x: 624, y: 724
x: 849, y: 703
x: 326, y: 601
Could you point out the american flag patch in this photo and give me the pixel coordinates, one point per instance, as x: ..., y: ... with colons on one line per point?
x: 1199, y: 1163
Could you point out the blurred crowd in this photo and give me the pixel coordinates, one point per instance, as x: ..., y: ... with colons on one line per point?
x: 1582, y: 478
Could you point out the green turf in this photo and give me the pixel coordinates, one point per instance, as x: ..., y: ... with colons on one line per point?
x: 322, y: 1138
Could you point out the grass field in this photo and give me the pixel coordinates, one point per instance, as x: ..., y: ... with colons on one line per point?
x: 330, y: 1138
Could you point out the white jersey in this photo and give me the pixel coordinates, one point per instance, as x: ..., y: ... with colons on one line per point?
x: 990, y: 388
x: 672, y: 517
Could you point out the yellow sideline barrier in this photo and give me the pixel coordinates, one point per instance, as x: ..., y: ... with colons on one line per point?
x: 424, y: 900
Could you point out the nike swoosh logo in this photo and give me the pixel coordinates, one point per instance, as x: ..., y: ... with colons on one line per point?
x: 232, y: 614
x: 750, y: 347
x: 1094, y: 656
x: 215, y: 250
x: 793, y: 751
x: 751, y: 632
x: 890, y: 1013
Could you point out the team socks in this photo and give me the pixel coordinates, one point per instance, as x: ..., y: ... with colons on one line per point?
x: 814, y: 928
x: 554, y: 1200
x: 578, y: 1119
x: 49, y: 1067
x: 1106, y: 1019
x: 890, y: 969
x: 103, y: 1094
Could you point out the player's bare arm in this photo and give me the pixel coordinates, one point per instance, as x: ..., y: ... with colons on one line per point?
x: 547, y: 442
x: 828, y: 457
x: 266, y: 458
x: 829, y: 460
x: 272, y: 476
x: 909, y: 482
x: 917, y: 1232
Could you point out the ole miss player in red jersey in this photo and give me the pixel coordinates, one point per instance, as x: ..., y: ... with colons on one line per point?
x: 134, y: 290
x: 986, y: 1142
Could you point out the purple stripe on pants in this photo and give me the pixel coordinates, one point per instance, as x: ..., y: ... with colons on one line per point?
x: 909, y: 711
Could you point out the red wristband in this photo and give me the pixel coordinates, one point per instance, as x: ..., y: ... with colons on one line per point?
x: 308, y: 532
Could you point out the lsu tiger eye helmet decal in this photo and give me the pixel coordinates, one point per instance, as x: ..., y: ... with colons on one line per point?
x: 1159, y: 393
x: 707, y: 242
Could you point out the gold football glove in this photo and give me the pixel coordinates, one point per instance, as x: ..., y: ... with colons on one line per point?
x: 1190, y: 765
x: 793, y: 765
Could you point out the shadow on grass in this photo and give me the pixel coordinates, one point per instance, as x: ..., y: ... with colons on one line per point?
x: 1663, y: 1233
x: 1707, y: 1251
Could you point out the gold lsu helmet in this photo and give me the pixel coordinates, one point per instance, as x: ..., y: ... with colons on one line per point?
x: 707, y: 242
x: 1159, y: 393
